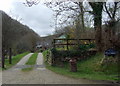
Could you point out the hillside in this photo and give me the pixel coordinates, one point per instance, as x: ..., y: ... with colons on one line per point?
x: 16, y: 35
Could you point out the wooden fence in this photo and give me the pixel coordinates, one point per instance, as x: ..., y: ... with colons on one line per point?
x: 69, y: 42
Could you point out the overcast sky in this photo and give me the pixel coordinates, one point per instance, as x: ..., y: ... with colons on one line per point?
x: 38, y: 17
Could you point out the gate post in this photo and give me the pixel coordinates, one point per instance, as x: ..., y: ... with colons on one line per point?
x: 67, y: 44
x: 54, y: 43
x: 3, y: 59
x: 10, y: 56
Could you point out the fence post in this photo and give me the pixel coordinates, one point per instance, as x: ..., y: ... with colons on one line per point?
x: 3, y: 59
x: 10, y: 56
x: 54, y: 43
x: 89, y: 41
x: 67, y: 45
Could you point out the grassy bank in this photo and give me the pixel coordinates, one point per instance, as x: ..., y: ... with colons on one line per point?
x: 32, y: 59
x: 45, y: 54
x: 89, y: 69
x: 15, y: 60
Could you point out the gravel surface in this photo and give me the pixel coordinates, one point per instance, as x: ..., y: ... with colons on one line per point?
x: 39, y: 60
x: 39, y: 75
x: 24, y: 59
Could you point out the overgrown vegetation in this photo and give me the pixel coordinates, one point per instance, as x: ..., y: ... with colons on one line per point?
x: 89, y: 69
x: 32, y: 59
x: 15, y: 60
x: 78, y: 51
x: 45, y: 54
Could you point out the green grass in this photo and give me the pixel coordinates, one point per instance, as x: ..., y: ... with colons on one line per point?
x: 89, y: 69
x: 15, y: 60
x: 32, y: 59
x: 44, y: 54
x: 27, y: 69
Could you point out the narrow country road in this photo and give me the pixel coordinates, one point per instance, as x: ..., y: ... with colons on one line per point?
x: 24, y: 59
x: 40, y: 75
x: 39, y: 59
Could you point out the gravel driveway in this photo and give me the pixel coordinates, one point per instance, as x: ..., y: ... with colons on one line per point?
x: 40, y: 75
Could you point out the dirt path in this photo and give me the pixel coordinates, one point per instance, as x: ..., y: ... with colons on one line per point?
x: 40, y: 75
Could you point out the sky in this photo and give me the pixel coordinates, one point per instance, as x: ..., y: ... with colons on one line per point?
x: 38, y: 17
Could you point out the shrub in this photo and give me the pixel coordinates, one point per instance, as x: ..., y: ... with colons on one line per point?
x: 64, y: 53
x: 80, y: 51
x: 84, y: 48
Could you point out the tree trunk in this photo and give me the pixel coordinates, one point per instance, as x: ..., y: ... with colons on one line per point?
x: 82, y: 14
x: 98, y: 39
x: 98, y: 31
x: 97, y: 12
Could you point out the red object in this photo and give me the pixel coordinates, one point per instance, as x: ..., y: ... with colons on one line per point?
x: 73, y: 65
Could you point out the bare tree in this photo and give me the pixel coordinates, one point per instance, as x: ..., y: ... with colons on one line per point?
x: 67, y: 11
x: 112, y: 10
x: 97, y: 8
x: 73, y: 11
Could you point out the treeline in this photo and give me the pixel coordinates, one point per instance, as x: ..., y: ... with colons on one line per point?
x: 110, y: 35
x: 17, y: 36
x: 78, y: 18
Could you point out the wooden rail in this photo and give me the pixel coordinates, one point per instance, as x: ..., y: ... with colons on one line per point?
x: 67, y: 42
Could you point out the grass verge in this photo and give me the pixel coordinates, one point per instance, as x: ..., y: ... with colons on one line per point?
x: 89, y: 69
x: 27, y: 69
x: 15, y: 60
x: 32, y: 59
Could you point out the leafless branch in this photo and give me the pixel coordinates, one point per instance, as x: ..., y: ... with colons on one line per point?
x: 107, y: 11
